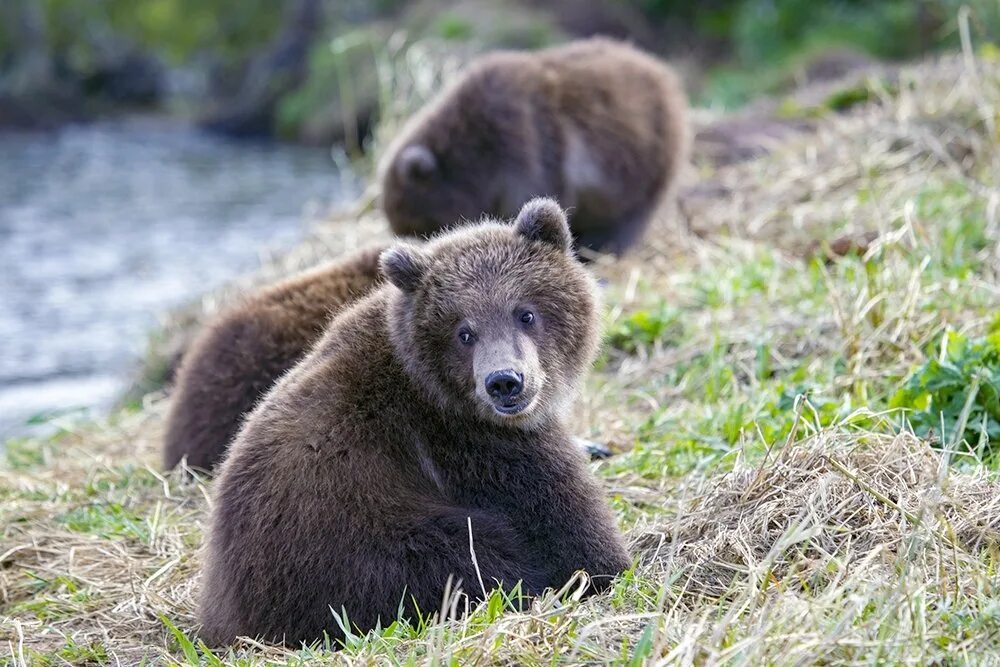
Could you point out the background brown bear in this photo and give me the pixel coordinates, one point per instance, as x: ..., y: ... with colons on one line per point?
x: 597, y: 124
x: 239, y: 355
x: 436, y: 401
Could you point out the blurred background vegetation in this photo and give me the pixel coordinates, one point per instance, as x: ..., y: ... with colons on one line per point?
x: 323, y: 71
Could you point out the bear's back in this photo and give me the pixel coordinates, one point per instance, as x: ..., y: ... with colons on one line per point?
x: 626, y: 106
x: 315, y: 476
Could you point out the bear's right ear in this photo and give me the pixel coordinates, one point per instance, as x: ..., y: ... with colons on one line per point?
x: 542, y: 219
x: 416, y: 162
x: 403, y: 266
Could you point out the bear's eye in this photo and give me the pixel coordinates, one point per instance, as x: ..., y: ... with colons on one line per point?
x: 465, y: 336
x: 527, y: 317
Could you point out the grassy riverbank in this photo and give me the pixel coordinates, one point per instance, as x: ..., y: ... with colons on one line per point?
x: 754, y: 381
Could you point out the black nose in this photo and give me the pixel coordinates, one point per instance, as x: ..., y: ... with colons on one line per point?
x: 504, y: 385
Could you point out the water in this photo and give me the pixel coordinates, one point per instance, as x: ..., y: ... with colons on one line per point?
x: 104, y: 227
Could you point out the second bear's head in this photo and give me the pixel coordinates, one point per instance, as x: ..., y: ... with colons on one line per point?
x: 495, y: 319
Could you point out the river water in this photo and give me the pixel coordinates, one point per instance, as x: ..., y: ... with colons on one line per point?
x: 104, y: 227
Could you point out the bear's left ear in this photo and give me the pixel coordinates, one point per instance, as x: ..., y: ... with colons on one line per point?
x: 403, y: 265
x: 542, y: 219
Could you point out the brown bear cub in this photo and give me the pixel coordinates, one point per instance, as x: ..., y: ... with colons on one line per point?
x: 240, y: 355
x: 597, y: 124
x: 434, y: 406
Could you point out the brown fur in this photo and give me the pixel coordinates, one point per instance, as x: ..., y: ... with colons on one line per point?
x: 352, y: 485
x: 597, y: 124
x: 238, y: 357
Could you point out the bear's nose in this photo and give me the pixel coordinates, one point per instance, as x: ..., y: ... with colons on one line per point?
x: 504, y: 385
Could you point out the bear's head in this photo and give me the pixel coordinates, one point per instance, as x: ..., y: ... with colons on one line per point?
x: 498, y: 320
x: 464, y: 155
x: 425, y: 190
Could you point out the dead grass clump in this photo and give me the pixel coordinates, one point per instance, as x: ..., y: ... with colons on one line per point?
x: 830, y: 506
x: 939, y: 117
x: 96, y: 544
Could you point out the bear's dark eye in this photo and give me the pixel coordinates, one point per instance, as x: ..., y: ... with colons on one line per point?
x: 465, y: 336
x: 527, y: 317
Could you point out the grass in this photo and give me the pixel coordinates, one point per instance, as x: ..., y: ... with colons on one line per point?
x: 779, y: 507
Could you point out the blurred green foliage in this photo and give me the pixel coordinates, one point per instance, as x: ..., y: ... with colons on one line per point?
x: 765, y: 31
x: 757, y: 32
x: 748, y: 47
x: 772, y: 41
x: 343, y: 82
x: 646, y: 327
x: 177, y: 30
x: 453, y: 27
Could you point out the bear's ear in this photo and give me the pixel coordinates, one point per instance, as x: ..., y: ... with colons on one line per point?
x: 403, y: 266
x: 542, y: 219
x: 416, y: 162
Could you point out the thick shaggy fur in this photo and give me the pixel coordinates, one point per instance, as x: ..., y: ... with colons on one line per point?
x: 240, y: 355
x: 353, y: 485
x: 597, y: 124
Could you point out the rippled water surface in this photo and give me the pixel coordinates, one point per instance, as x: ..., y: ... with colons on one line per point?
x: 104, y: 227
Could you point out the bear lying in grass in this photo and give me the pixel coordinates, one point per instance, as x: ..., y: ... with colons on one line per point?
x: 434, y: 404
x: 597, y: 124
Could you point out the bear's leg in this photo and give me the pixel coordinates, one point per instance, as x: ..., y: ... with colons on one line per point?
x: 439, y: 547
x: 595, y: 450
x: 629, y: 230
x: 557, y: 506
x: 289, y: 590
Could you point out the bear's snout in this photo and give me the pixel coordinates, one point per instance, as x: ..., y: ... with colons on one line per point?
x: 504, y: 386
x: 506, y: 372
